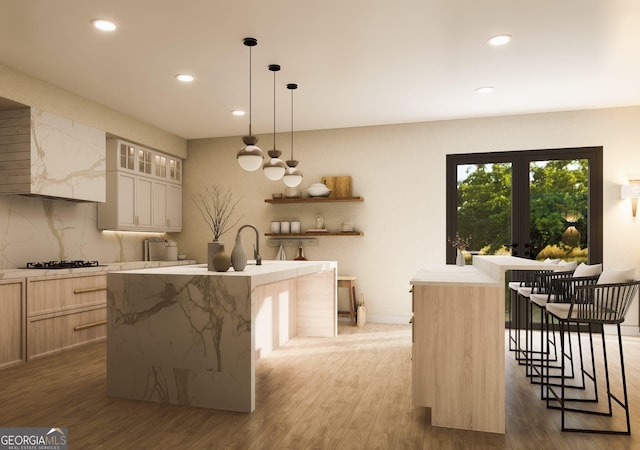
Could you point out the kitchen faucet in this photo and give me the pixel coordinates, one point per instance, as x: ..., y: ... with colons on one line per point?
x: 256, y: 247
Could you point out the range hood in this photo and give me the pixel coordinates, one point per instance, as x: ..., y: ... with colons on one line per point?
x: 45, y: 155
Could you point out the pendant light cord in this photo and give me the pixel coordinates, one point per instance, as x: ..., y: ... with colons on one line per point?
x: 250, y: 91
x: 292, y: 124
x: 274, y: 109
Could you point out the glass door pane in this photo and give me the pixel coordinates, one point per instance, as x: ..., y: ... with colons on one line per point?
x: 484, y: 208
x: 559, y: 209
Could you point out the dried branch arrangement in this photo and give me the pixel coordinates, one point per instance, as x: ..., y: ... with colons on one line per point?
x: 217, y: 208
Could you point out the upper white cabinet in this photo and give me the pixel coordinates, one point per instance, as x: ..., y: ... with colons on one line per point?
x: 52, y: 156
x: 144, y: 190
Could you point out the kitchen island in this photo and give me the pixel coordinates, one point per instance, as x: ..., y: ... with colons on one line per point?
x: 458, y: 341
x: 187, y: 336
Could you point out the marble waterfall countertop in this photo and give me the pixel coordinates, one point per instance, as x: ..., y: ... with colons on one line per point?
x: 269, y: 272
x: 187, y: 336
x: 7, y: 274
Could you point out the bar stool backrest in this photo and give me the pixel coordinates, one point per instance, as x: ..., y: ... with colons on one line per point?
x: 602, y: 303
x: 563, y: 287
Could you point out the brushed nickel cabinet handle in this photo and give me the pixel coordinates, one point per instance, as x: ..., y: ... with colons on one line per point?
x: 89, y: 325
x: 91, y: 289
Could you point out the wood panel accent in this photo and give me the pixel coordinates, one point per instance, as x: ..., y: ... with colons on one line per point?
x: 15, y: 150
x: 317, y: 300
x: 12, y: 322
x: 457, y: 371
x: 47, y: 295
x: 50, y: 334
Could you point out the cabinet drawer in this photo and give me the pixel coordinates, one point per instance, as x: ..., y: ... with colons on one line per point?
x: 50, y: 334
x: 65, y: 293
x: 11, y: 322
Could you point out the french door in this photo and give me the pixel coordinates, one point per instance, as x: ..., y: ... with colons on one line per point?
x: 534, y: 204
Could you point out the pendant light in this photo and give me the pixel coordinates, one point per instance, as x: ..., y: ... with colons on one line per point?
x: 250, y: 157
x: 274, y: 168
x: 292, y: 177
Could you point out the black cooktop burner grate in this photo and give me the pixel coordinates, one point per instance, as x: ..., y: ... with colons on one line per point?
x: 62, y: 264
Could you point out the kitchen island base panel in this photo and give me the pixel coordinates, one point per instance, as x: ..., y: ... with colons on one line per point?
x: 458, y: 341
x: 457, y: 371
x: 180, y: 339
x: 315, y: 315
x: 193, y: 338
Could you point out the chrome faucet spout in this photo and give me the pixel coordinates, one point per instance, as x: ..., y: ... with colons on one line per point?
x: 256, y: 247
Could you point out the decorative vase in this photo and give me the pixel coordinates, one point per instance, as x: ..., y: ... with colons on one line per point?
x: 221, y: 261
x: 460, y: 259
x: 212, y: 249
x: 238, y: 256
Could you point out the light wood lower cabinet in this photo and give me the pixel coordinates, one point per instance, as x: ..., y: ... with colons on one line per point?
x: 317, y: 308
x: 458, y: 355
x: 64, y: 312
x: 12, y: 326
x: 51, y: 334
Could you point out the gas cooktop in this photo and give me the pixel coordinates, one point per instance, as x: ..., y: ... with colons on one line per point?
x: 62, y: 264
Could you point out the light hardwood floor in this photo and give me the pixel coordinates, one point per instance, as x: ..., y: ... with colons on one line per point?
x: 348, y: 392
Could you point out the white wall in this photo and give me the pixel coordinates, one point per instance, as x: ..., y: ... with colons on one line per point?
x: 30, y: 91
x: 400, y: 171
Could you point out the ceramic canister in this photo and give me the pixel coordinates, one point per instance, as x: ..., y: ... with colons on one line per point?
x: 295, y: 227
x: 275, y: 227
x: 285, y: 227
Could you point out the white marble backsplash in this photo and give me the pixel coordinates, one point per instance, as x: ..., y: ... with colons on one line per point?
x: 40, y: 229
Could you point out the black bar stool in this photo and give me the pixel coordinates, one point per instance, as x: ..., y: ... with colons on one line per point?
x: 595, y: 305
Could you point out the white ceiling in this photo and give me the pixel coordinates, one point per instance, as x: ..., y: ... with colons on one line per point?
x: 357, y: 62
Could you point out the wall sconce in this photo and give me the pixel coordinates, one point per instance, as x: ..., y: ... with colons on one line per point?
x: 632, y: 191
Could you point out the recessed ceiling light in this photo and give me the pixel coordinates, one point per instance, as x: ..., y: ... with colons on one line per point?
x: 501, y: 39
x: 237, y: 112
x: 185, y: 78
x: 103, y: 24
x: 485, y: 89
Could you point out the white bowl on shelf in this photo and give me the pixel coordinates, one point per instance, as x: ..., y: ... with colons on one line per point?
x: 318, y: 190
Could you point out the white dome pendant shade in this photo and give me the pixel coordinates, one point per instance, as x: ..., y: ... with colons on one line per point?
x: 250, y: 157
x: 292, y: 176
x: 274, y: 168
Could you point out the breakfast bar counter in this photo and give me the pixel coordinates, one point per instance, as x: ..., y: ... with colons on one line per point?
x: 458, y: 342
x: 187, y: 336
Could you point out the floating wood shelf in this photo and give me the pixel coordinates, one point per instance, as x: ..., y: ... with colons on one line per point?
x: 276, y: 201
x: 302, y: 235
